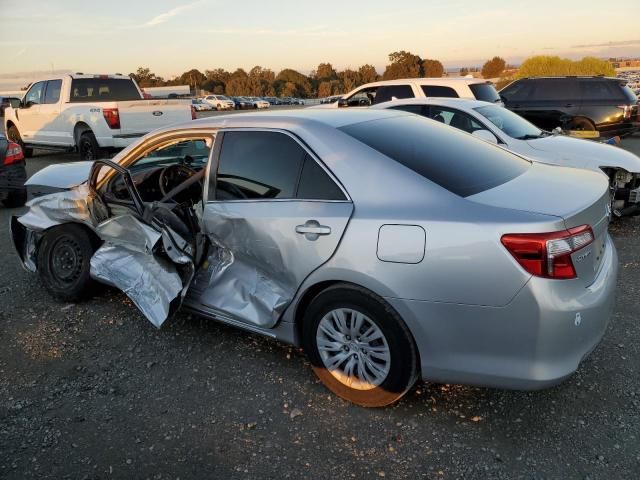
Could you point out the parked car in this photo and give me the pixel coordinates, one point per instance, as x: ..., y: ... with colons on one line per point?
x: 272, y: 100
x: 6, y: 102
x: 258, y: 102
x: 297, y: 101
x: 386, y: 90
x: 376, y: 263
x: 498, y: 125
x: 242, y: 103
x: 286, y: 101
x: 332, y: 99
x: 601, y: 104
x: 200, y: 105
x: 220, y: 102
x: 12, y: 174
x: 88, y: 113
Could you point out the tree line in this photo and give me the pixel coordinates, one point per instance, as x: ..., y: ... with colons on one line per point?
x: 325, y: 80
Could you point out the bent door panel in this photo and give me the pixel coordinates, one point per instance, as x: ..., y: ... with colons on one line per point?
x: 274, y: 215
x: 263, y: 251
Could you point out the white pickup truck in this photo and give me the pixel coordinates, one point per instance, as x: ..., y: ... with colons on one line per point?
x: 89, y: 114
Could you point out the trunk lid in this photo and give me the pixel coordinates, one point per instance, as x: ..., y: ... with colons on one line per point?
x: 579, y: 197
x: 143, y: 116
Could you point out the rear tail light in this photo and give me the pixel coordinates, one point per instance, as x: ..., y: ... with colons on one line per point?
x: 548, y: 255
x: 112, y: 116
x: 193, y: 113
x: 14, y: 154
x: 626, y: 111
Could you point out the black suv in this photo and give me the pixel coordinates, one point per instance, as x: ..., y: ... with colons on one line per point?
x: 604, y: 104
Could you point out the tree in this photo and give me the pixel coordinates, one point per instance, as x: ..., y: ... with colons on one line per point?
x: 367, y: 74
x: 348, y: 79
x: 464, y: 71
x: 145, y: 78
x: 432, y: 68
x: 261, y: 81
x: 194, y: 78
x: 542, y: 66
x: 216, y: 80
x: 289, y: 80
x: 403, y: 65
x: 324, y: 72
x: 238, y: 84
x: 493, y: 68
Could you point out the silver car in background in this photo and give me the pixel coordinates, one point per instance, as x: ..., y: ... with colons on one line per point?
x: 389, y: 246
x: 497, y: 124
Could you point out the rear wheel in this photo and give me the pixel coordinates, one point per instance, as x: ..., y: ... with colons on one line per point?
x: 15, y: 198
x: 64, y: 259
x: 14, y: 135
x: 582, y: 124
x: 88, y: 147
x: 359, y: 347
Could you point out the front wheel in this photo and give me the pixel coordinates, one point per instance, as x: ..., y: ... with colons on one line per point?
x: 14, y: 135
x: 582, y: 125
x: 64, y: 257
x: 359, y: 347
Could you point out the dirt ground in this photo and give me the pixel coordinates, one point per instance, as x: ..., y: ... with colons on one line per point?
x: 93, y: 390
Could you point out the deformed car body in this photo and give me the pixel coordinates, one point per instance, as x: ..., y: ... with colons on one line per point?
x: 500, y: 125
x: 390, y: 247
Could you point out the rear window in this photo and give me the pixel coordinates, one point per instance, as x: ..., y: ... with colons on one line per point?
x: 485, y: 92
x: 103, y: 90
x: 439, y: 91
x: 452, y: 159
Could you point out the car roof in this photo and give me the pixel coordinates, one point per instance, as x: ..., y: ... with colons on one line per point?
x: 291, y: 118
x: 444, y: 101
x: 428, y: 81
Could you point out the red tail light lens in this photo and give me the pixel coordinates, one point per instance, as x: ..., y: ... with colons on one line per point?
x: 626, y: 111
x: 14, y: 154
x: 193, y: 113
x: 548, y: 255
x: 112, y: 116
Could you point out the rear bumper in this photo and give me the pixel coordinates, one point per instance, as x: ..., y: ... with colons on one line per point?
x: 619, y: 129
x: 534, y: 342
x: 12, y: 178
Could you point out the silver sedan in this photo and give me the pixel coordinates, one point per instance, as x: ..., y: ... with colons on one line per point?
x: 387, y: 245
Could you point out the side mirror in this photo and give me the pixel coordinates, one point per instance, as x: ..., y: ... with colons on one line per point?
x: 343, y: 102
x: 485, y: 135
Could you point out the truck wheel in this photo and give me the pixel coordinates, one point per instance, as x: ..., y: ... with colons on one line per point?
x: 582, y: 124
x: 15, y: 198
x: 88, y: 147
x: 64, y: 257
x: 14, y: 135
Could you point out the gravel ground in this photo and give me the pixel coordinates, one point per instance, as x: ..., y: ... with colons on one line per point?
x: 93, y: 390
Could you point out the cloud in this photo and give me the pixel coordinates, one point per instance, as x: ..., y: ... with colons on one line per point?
x: 164, y: 17
x: 622, y: 43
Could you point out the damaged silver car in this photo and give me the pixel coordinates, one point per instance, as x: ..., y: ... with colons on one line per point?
x: 390, y: 247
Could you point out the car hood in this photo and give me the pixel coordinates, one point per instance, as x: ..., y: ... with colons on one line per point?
x: 61, y: 175
x: 576, y: 152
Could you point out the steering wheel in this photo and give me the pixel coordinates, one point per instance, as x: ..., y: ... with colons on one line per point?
x: 172, y: 176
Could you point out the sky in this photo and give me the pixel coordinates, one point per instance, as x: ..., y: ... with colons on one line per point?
x: 171, y: 36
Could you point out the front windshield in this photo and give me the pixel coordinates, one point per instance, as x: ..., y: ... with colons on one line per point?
x: 510, y: 123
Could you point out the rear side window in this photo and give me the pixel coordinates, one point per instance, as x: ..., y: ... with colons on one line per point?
x: 315, y: 184
x: 439, y: 91
x: 388, y: 92
x: 103, y: 90
x: 600, y: 90
x: 519, y: 91
x: 452, y: 159
x: 556, y: 89
x: 52, y: 93
x: 485, y: 92
x: 258, y: 165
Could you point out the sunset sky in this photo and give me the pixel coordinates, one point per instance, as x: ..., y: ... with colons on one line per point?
x: 170, y: 37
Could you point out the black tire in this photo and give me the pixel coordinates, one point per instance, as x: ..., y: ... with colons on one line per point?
x: 582, y: 124
x: 64, y: 256
x: 403, y: 366
x: 14, y: 135
x: 15, y: 198
x: 88, y: 147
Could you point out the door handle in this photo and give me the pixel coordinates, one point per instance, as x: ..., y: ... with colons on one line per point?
x: 312, y: 229
x: 569, y: 105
